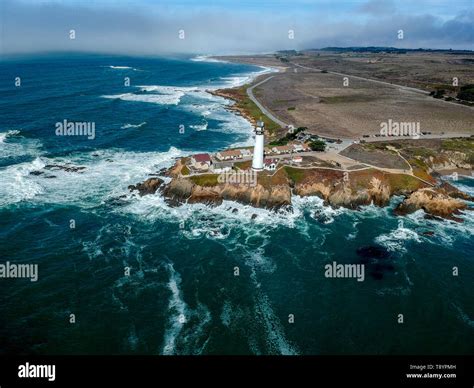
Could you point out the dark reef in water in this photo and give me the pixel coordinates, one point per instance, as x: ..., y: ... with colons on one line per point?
x: 372, y: 256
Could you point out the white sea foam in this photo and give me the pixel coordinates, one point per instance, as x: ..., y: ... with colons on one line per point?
x: 107, y: 175
x: 13, y: 144
x: 257, y: 261
x: 177, y: 313
x: 207, y: 58
x: 126, y: 126
x: 195, y: 336
x: 446, y: 232
x: 395, y: 240
x: 10, y: 133
x: 226, y: 314
x: 122, y: 68
x: 160, y: 99
x: 316, y: 209
x: 275, y: 335
x: 465, y: 188
x: 199, y: 127
x: 16, y: 183
x: 463, y: 316
x: 160, y: 94
x: 153, y: 207
x: 200, y: 102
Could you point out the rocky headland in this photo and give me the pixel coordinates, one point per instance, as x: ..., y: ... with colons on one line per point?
x: 350, y: 189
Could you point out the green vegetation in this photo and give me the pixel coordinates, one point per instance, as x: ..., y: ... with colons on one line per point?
x: 466, y: 93
x: 443, y: 87
x: 374, y: 146
x: 295, y: 174
x: 464, y: 145
x: 419, y: 151
x: 317, y: 145
x: 291, y: 108
x: 243, y: 165
x: 185, y: 170
x: 288, y: 137
x: 438, y: 93
x: 206, y: 180
x: 253, y: 110
x: 404, y: 182
x: 461, y: 145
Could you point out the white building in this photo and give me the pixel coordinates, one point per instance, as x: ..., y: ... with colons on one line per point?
x: 270, y: 164
x: 257, y: 162
x: 297, y: 159
x: 245, y: 152
x: 201, y: 161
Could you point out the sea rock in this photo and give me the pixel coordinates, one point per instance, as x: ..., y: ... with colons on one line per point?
x: 373, y: 251
x: 66, y: 168
x: 148, y: 187
x: 434, y: 201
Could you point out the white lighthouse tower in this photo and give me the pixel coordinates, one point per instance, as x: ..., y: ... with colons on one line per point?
x: 257, y: 162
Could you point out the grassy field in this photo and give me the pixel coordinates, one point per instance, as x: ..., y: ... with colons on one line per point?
x: 248, y: 108
x: 296, y: 175
x: 206, y: 180
x: 327, y: 106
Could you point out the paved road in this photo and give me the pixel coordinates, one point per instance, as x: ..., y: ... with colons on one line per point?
x: 262, y: 108
x: 432, y: 136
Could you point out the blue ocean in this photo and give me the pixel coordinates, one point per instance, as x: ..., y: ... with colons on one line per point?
x: 124, y: 274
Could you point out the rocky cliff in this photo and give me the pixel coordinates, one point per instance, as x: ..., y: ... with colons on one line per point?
x: 336, y: 188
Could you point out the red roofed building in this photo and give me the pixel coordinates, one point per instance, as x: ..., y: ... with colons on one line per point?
x: 201, y: 161
x: 270, y: 164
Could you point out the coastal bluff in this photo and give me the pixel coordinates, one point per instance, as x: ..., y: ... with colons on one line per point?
x: 349, y: 189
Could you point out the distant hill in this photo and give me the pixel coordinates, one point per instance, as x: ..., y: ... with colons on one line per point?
x: 375, y: 49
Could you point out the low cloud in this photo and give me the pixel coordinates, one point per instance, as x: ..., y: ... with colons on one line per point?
x: 378, y: 7
x: 155, y: 30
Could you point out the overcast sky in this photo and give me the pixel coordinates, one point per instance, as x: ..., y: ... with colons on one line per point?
x: 225, y: 26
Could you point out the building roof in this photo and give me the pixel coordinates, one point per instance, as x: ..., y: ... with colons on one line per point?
x: 283, y: 148
x: 220, y: 164
x: 201, y: 158
x: 230, y: 153
x: 270, y: 161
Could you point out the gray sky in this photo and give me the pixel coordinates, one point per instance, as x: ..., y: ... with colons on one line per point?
x: 224, y: 26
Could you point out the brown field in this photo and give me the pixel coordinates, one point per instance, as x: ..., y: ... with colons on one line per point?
x: 320, y: 102
x: 421, y: 70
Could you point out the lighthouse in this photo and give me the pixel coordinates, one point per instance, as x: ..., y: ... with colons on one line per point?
x: 257, y: 162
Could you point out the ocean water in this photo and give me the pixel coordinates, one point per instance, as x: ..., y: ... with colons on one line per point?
x: 182, y: 296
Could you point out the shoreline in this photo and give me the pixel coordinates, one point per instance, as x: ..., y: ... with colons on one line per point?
x: 341, y: 186
x: 337, y: 188
x: 240, y: 98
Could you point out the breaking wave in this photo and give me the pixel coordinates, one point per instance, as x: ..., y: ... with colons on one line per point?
x: 126, y: 126
x: 177, y: 309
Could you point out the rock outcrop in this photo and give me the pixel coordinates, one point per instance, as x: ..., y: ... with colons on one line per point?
x: 337, y: 188
x: 150, y: 186
x: 182, y: 190
x: 444, y: 201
